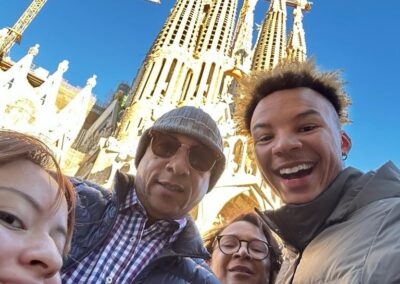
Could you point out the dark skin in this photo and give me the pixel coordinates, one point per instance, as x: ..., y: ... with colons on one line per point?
x: 169, y: 188
x: 298, y: 143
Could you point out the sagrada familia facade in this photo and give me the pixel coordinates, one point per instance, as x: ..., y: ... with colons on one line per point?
x: 199, y: 55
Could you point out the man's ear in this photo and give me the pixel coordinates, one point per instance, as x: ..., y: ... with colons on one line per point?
x: 346, y: 143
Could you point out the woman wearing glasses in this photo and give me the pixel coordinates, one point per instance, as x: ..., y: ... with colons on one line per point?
x: 243, y: 251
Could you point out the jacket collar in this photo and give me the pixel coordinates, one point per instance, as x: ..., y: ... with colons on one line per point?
x: 372, y: 186
x: 188, y: 243
x: 123, y: 183
x: 297, y: 224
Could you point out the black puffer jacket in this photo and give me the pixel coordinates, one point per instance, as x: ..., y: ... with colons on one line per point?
x: 96, y: 213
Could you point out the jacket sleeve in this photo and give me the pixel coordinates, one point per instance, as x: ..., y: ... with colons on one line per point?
x: 199, y: 271
x: 92, y: 219
x: 383, y: 260
x: 178, y: 270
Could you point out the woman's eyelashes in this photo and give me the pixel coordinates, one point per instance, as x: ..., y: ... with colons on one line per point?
x: 11, y: 220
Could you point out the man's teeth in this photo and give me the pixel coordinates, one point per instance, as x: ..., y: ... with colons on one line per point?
x: 288, y: 171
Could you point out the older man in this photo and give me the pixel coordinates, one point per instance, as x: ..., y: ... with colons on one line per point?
x: 141, y: 232
x: 339, y: 225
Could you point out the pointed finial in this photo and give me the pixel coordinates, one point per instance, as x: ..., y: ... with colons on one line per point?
x: 91, y: 82
x: 34, y: 50
x: 303, y: 4
x: 63, y: 66
x: 297, y: 15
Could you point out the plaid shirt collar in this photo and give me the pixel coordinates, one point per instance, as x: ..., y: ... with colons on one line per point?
x: 132, y: 202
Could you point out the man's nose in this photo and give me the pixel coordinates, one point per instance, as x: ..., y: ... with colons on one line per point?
x: 286, y: 143
x: 42, y: 257
x: 179, y: 163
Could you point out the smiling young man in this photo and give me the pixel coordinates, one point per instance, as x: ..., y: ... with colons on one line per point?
x: 338, y: 224
x: 141, y: 232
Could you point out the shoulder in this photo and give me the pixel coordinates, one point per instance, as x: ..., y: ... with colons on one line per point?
x: 189, y: 242
x: 383, y: 258
x: 184, y: 270
x: 198, y: 271
x: 92, y: 202
x: 364, y: 247
x: 89, y: 190
x: 94, y: 215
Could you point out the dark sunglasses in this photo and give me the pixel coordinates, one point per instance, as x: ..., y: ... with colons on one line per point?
x: 200, y: 157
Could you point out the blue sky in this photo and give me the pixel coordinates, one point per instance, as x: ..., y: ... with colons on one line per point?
x: 111, y: 38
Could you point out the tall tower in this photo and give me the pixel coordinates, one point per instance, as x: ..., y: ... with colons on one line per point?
x: 243, y: 38
x: 212, y: 51
x: 166, y: 72
x: 217, y: 26
x: 191, y: 62
x: 296, y: 45
x: 14, y: 34
x: 185, y: 65
x: 271, y: 46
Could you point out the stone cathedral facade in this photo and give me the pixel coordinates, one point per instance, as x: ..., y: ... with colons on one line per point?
x: 196, y: 59
x: 39, y: 103
x: 204, y: 47
x: 45, y: 105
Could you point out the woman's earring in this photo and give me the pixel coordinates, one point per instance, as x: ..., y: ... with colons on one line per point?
x: 344, y: 156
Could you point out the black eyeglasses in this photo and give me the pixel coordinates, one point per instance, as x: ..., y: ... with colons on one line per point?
x: 229, y: 244
x: 201, y: 158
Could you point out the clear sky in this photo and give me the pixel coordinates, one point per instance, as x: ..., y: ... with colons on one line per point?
x: 111, y: 38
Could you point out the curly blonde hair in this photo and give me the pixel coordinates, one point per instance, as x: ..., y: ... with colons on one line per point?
x: 256, y: 86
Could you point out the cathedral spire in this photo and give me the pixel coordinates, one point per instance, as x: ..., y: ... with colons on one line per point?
x: 271, y: 45
x: 217, y: 26
x: 69, y: 121
x: 166, y: 71
x: 296, y: 46
x: 19, y: 71
x: 179, y: 28
x: 185, y: 65
x: 48, y: 91
x: 213, y: 50
x: 243, y: 37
